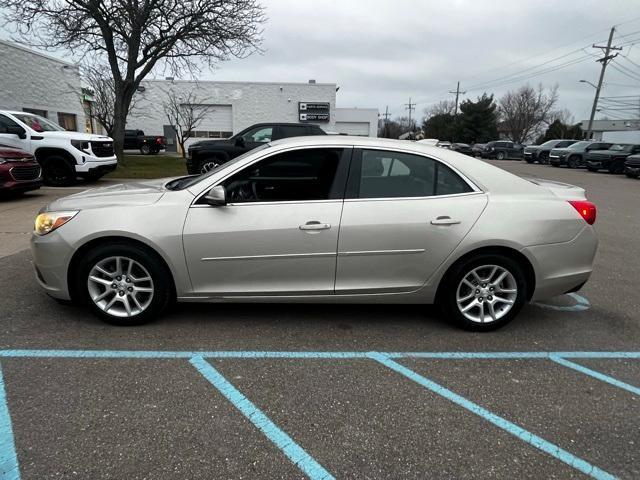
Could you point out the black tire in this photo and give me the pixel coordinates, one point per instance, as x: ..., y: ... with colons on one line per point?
x: 145, y: 149
x: 529, y: 160
x: 500, y: 156
x: 161, y: 277
x: 543, y: 158
x: 616, y: 169
x: 631, y: 175
x: 572, y: 161
x: 58, y: 172
x: 448, y: 291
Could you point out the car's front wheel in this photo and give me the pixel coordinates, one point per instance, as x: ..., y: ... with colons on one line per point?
x: 543, y: 158
x: 500, y: 156
x: 145, y: 149
x: 573, y: 161
x: 124, y: 284
x: 484, y: 293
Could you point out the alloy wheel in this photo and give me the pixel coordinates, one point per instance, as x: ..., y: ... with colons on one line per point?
x: 486, y: 293
x: 120, y: 286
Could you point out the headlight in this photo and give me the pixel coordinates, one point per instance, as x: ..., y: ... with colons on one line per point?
x: 81, y: 145
x: 47, y: 222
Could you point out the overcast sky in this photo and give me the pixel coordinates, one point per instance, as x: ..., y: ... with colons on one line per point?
x: 382, y: 52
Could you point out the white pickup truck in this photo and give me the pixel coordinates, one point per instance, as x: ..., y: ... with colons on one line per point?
x: 63, y: 155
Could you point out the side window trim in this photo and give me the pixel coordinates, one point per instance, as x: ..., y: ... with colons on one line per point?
x: 337, y: 191
x: 352, y: 190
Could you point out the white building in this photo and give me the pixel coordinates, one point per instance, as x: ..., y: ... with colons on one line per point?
x: 233, y: 106
x: 616, y: 131
x: 33, y: 82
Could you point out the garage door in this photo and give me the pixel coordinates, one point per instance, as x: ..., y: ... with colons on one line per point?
x: 353, y: 128
x: 218, y: 123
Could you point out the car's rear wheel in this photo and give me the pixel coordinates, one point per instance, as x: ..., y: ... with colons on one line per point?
x: 485, y: 292
x: 543, y: 158
x: 57, y: 172
x: 573, y: 161
x: 124, y: 284
x: 500, y: 156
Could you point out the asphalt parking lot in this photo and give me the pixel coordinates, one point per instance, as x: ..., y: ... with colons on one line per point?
x: 322, y: 391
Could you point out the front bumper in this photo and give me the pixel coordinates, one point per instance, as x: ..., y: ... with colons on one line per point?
x: 51, y: 257
x: 558, y: 160
x: 89, y: 164
x: 632, y: 169
x: 596, y: 165
x: 561, y: 267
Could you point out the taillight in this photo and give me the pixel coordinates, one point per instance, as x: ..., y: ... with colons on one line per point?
x: 587, y: 210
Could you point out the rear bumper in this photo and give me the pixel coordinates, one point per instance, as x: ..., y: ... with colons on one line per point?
x: 561, y: 267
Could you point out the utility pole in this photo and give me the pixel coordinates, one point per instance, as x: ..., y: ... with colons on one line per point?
x: 455, y: 112
x: 604, y: 60
x: 457, y: 92
x: 386, y: 116
x: 410, y: 106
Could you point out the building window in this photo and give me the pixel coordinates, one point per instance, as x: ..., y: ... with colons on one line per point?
x: 67, y: 121
x: 210, y: 134
x: 35, y: 111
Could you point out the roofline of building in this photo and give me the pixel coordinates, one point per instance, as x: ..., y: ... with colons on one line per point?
x: 36, y: 52
x: 162, y: 80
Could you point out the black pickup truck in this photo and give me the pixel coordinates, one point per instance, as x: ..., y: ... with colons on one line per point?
x: 207, y: 154
x: 611, y: 160
x: 147, y: 144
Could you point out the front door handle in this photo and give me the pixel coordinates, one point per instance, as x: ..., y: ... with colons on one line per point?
x: 315, y: 225
x: 444, y: 220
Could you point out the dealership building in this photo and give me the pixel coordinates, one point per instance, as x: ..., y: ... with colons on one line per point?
x: 233, y: 106
x: 34, y: 82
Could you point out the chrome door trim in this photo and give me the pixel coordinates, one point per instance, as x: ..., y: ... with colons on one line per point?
x: 269, y: 257
x: 281, y: 202
x: 357, y: 253
x: 429, y: 197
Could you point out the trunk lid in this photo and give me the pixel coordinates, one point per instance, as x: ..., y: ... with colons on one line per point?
x: 565, y: 191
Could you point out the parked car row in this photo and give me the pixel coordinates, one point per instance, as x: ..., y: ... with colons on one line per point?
x: 615, y: 158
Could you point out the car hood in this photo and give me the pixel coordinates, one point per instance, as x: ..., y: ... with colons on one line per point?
x: 87, y: 137
x: 532, y: 148
x: 605, y: 153
x: 633, y: 160
x: 559, y: 151
x: 125, y: 194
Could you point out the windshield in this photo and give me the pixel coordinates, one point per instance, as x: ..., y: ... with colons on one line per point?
x: 186, y: 182
x: 579, y: 145
x: 38, y: 123
x: 619, y: 147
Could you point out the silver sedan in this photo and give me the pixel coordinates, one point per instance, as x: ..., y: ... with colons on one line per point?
x: 321, y: 219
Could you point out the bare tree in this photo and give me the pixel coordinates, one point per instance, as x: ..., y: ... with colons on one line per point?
x: 101, y: 87
x: 134, y: 37
x: 184, y: 113
x: 526, y: 111
x: 441, y: 108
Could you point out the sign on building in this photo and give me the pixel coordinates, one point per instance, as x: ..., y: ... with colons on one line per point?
x: 313, y: 111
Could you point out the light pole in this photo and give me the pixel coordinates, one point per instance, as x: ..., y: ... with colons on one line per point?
x: 587, y: 81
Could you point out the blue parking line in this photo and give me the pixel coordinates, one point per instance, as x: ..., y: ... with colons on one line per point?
x: 526, y: 436
x: 595, y: 374
x: 142, y: 354
x: 284, y: 442
x: 8, y: 458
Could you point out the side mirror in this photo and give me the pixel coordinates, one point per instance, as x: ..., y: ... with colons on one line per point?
x: 16, y: 130
x: 217, y: 196
x: 240, y: 142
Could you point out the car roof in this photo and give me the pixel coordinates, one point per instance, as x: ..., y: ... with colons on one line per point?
x: 486, y: 176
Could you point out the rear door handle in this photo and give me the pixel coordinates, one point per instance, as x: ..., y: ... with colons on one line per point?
x: 444, y: 220
x: 315, y: 225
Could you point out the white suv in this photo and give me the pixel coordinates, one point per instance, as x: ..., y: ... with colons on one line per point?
x: 63, y: 155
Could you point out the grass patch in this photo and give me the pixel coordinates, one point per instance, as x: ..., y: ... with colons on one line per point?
x: 149, y: 166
